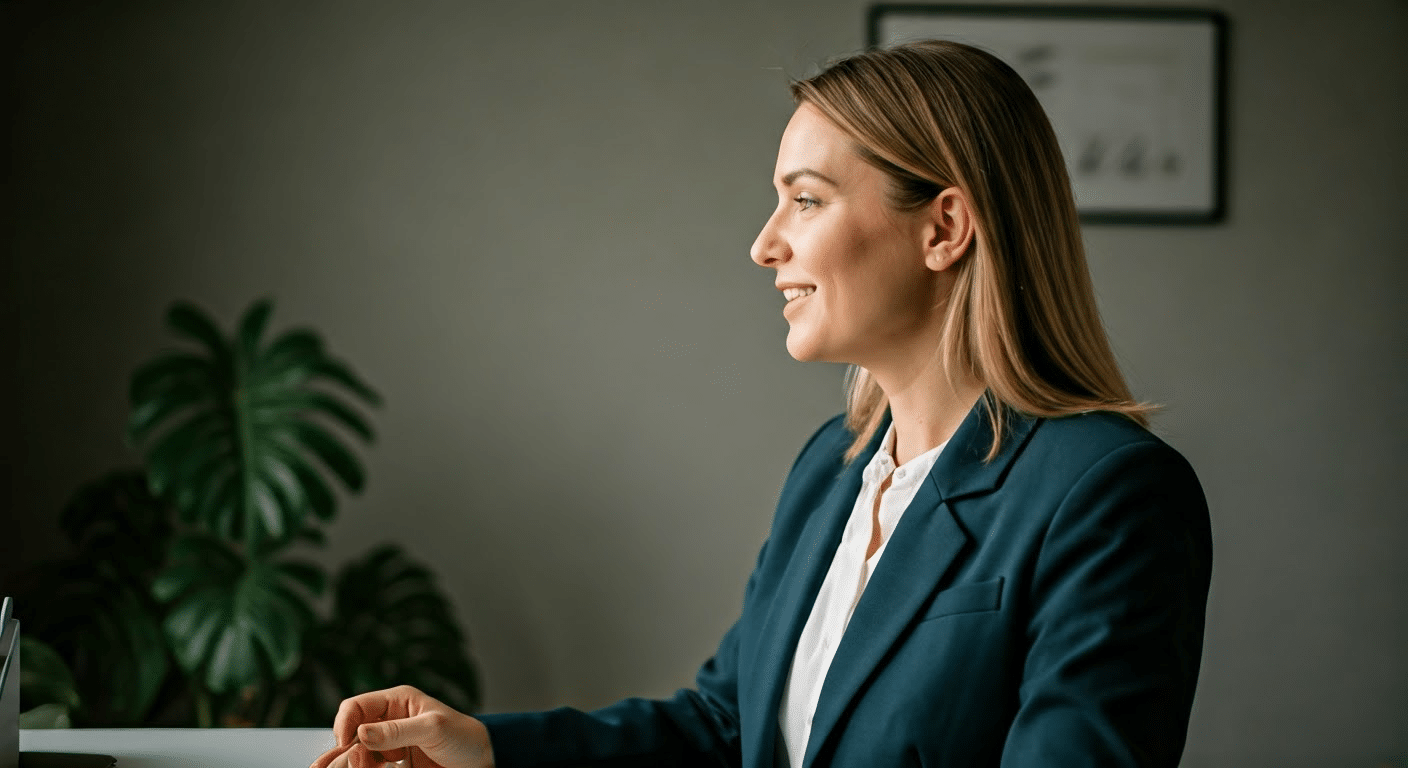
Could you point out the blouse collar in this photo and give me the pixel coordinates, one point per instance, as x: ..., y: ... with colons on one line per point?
x: 910, y: 474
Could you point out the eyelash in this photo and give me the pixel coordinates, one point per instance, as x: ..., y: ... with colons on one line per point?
x: 806, y: 202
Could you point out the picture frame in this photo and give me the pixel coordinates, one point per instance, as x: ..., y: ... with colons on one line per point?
x: 1136, y: 96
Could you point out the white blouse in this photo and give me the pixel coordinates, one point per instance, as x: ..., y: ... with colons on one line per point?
x: 843, y: 585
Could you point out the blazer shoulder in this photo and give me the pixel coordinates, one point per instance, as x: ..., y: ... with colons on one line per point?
x: 1081, y: 443
x: 821, y: 461
x: 1094, y: 435
x: 829, y: 441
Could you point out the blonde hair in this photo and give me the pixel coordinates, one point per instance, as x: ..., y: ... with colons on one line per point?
x: 1022, y: 317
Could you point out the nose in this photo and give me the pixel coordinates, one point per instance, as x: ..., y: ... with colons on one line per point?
x: 768, y: 247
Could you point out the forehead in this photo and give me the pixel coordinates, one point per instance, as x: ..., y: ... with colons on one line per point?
x: 812, y: 141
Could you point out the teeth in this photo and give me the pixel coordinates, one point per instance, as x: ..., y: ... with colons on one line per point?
x: 797, y: 293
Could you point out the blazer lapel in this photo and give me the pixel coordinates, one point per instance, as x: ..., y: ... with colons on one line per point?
x: 962, y: 468
x: 921, y: 551
x: 807, y: 568
x: 922, y: 548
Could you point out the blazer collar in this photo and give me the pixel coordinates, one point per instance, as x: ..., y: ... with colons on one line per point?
x: 962, y: 469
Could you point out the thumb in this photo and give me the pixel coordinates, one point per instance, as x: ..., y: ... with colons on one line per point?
x: 406, y: 732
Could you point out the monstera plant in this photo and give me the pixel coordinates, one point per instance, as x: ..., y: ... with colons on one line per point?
x: 187, y: 601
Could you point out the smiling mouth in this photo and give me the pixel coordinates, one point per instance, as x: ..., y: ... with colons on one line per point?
x: 793, y: 302
x: 792, y: 294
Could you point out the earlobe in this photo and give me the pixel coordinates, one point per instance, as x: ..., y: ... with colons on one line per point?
x: 952, y: 229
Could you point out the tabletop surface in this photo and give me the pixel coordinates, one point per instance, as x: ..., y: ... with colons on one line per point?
x: 188, y: 747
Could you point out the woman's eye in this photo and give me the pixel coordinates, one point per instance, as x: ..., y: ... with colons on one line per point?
x: 807, y: 202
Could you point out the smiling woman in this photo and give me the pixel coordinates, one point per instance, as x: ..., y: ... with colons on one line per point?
x: 1019, y: 313
x: 1015, y: 571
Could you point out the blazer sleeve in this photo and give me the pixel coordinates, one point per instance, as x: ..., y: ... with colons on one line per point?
x: 695, y: 727
x: 1118, y: 595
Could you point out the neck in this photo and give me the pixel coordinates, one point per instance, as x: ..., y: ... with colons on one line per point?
x: 927, y: 408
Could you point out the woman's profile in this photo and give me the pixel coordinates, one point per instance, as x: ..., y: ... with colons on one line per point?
x: 987, y: 559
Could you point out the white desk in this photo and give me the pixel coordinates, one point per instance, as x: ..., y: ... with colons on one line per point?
x: 188, y: 747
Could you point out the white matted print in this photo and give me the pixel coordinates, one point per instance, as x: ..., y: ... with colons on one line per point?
x: 1133, y: 94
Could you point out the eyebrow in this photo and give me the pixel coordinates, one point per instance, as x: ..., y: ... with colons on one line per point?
x: 800, y: 172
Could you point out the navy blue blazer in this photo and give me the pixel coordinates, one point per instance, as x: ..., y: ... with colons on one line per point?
x: 1043, y: 609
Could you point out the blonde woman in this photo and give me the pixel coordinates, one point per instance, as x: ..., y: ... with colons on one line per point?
x: 987, y: 559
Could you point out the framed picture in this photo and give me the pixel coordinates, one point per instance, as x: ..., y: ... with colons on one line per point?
x: 1135, y: 95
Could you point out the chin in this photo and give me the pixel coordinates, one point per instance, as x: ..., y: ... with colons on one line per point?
x: 801, y: 358
x: 801, y: 350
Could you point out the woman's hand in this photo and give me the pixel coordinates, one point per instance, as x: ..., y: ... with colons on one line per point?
x: 402, y: 724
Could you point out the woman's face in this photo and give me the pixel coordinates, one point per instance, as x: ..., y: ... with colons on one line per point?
x: 834, y: 233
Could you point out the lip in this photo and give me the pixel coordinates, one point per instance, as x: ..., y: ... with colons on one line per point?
x: 785, y: 286
x: 795, y: 302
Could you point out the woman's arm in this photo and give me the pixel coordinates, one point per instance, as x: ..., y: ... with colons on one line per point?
x: 1118, y: 599
x: 695, y: 727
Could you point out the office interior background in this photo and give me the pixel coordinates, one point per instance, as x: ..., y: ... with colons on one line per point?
x: 526, y: 224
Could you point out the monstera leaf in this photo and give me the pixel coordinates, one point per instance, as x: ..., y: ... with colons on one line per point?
x: 94, y: 608
x: 236, y: 456
x: 390, y: 626
x: 232, y: 620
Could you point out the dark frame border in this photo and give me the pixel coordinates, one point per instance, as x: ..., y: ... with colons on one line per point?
x: 1217, y: 213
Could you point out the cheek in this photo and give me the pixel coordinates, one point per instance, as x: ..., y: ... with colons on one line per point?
x: 858, y: 266
x: 838, y: 253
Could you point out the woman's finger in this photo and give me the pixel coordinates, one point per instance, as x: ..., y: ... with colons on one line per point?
x: 421, y: 730
x: 326, y: 759
x: 386, y: 704
x: 393, y: 755
x: 353, y: 712
x: 340, y: 757
x: 356, y: 755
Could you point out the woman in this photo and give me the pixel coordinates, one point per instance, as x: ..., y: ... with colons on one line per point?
x: 987, y: 559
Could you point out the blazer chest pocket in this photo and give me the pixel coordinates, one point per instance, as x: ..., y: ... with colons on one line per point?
x: 966, y: 598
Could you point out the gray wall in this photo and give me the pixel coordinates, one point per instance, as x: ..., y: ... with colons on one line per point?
x: 527, y: 224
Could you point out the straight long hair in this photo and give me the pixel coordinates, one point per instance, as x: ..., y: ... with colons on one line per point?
x: 1022, y: 317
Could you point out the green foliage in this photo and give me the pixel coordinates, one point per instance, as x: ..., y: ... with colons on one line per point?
x: 389, y: 622
x: 46, y: 716
x: 96, y: 608
x: 238, y: 459
x: 230, y: 618
x: 182, y: 603
x: 48, y: 694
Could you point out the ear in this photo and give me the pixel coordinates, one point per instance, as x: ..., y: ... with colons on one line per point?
x: 950, y: 229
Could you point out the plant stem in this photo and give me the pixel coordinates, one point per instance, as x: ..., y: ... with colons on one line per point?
x: 204, y: 718
x: 275, y: 715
